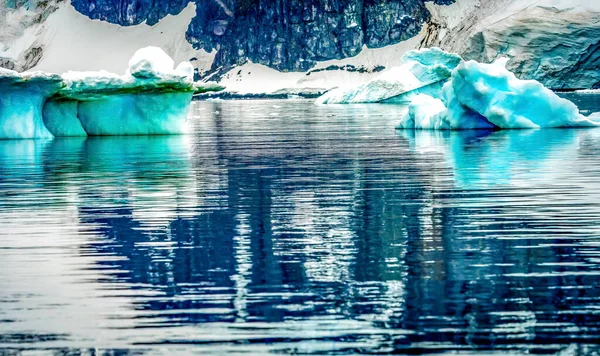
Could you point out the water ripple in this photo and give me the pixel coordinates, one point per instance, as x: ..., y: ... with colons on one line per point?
x: 302, y: 229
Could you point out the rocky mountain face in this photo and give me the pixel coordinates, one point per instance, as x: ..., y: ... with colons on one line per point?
x: 282, y: 34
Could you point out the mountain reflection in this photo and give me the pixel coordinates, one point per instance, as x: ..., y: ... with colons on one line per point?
x: 468, y: 240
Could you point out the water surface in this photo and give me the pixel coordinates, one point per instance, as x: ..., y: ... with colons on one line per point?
x: 284, y: 227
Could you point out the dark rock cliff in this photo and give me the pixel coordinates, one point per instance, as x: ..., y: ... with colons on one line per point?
x: 283, y: 34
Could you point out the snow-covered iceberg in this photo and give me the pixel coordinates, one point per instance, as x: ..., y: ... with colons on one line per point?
x: 418, y: 70
x: 152, y: 97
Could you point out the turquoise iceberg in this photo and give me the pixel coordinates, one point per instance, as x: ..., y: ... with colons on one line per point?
x: 443, y: 92
x: 488, y: 96
x: 151, y: 98
x: 507, y: 102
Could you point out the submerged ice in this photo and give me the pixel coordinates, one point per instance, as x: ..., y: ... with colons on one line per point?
x: 152, y: 97
x: 443, y: 92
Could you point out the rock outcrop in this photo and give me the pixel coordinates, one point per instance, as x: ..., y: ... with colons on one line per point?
x: 285, y: 35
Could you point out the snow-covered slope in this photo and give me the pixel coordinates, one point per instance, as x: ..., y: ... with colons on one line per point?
x: 67, y: 40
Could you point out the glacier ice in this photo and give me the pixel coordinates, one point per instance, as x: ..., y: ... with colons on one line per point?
x: 417, y: 69
x: 458, y: 116
x: 136, y: 114
x: 446, y: 113
x: 152, y: 97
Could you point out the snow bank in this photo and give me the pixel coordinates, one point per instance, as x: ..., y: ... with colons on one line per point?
x: 152, y: 97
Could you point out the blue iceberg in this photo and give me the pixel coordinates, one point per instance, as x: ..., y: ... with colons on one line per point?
x: 425, y: 112
x: 507, y: 102
x: 151, y: 98
x: 488, y: 96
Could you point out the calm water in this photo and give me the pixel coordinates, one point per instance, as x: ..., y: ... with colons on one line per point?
x: 284, y: 227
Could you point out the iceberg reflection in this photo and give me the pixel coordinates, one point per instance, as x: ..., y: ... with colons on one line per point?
x: 481, y: 158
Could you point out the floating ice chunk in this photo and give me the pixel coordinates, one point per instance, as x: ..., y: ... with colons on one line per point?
x: 22, y: 98
x: 150, y: 62
x: 151, y: 98
x: 510, y: 103
x: 429, y: 113
x: 417, y: 69
x: 125, y: 105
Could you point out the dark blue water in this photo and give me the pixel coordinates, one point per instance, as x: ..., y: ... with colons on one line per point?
x: 283, y: 227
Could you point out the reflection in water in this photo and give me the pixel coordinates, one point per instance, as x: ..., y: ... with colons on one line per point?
x: 501, y: 158
x: 294, y: 228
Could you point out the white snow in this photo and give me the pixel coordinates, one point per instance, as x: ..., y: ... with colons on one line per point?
x: 388, y: 56
x: 72, y: 41
x: 150, y: 62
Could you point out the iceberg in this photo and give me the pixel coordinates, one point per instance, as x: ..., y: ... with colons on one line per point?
x: 460, y: 117
x: 507, y: 102
x: 417, y: 69
x: 60, y: 118
x: 151, y: 98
